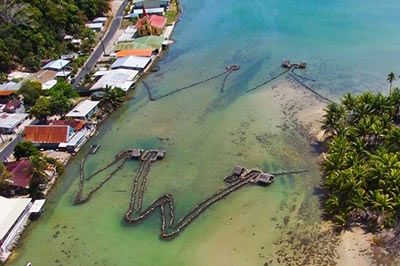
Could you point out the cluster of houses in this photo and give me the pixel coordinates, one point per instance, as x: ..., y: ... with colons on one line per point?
x: 137, y: 46
x: 133, y: 54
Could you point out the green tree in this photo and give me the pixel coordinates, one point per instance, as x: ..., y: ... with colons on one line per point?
x: 114, y: 97
x: 25, y: 150
x: 39, y: 177
x: 41, y: 109
x: 390, y: 78
x: 59, y: 104
x: 4, y: 176
x: 30, y: 92
x: 63, y: 88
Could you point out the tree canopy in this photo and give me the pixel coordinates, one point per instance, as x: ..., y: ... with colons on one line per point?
x: 362, y: 166
x: 30, y: 92
x: 25, y: 150
x: 33, y: 30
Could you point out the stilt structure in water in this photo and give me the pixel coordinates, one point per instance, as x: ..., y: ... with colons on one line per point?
x: 239, y: 178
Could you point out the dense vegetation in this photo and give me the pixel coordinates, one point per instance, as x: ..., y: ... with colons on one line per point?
x: 33, y: 30
x: 362, y: 165
x: 56, y: 101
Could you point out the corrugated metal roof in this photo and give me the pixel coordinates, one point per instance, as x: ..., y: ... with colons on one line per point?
x: 131, y: 62
x: 82, y: 109
x: 76, y: 124
x: 10, y: 211
x: 47, y: 134
x: 135, y: 52
x: 6, y: 92
x: 56, y: 64
x: 22, y: 172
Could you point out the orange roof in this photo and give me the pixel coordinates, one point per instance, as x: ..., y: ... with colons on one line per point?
x: 47, y: 134
x: 6, y: 93
x: 136, y: 52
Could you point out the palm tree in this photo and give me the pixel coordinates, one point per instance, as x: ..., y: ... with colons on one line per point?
x: 333, y: 117
x: 39, y: 176
x: 114, y: 96
x: 391, y: 77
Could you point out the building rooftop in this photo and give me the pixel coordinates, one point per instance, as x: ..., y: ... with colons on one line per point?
x: 56, y: 64
x: 37, y: 206
x: 94, y: 26
x: 155, y: 21
x: 47, y: 133
x: 131, y: 62
x: 149, y: 11
x: 82, y: 109
x: 99, y: 19
x: 135, y: 52
x: 74, y: 140
x: 10, y: 211
x: 43, y: 76
x: 49, y: 84
x: 22, y: 172
x: 10, y: 86
x: 76, y: 124
x: 6, y: 92
x: 10, y: 121
x: 121, y: 78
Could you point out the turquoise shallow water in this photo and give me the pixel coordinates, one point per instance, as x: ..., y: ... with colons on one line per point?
x: 350, y: 46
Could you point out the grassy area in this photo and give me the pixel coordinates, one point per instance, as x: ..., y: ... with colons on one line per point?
x: 172, y: 14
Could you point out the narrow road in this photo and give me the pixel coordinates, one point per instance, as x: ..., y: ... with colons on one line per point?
x: 9, y: 149
x: 99, y: 50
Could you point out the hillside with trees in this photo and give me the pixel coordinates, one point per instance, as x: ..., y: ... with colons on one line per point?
x: 33, y: 30
x: 362, y: 164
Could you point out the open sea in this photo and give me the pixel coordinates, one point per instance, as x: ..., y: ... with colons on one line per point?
x: 350, y: 46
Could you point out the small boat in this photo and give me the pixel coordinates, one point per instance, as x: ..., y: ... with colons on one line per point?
x: 94, y: 148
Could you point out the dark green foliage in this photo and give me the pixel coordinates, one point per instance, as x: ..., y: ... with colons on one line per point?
x: 33, y: 30
x: 114, y: 97
x: 59, y: 104
x: 41, y: 109
x: 30, y: 91
x: 362, y: 166
x: 64, y: 89
x: 39, y: 177
x: 24, y: 150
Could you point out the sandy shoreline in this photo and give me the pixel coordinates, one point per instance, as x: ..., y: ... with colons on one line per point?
x: 354, y: 246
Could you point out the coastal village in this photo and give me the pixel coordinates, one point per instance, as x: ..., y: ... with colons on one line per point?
x: 48, y: 116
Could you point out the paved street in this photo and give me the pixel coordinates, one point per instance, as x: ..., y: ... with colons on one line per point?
x: 99, y: 51
x: 8, y: 150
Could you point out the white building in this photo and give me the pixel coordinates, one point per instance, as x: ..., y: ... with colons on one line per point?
x: 56, y: 64
x: 120, y: 78
x: 100, y: 20
x: 151, y: 3
x: 95, y: 26
x: 131, y: 62
x: 14, y: 214
x: 84, y: 110
x: 10, y: 122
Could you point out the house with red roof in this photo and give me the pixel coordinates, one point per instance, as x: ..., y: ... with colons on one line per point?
x: 76, y: 124
x: 61, y: 137
x: 13, y: 106
x: 150, y: 25
x: 22, y: 172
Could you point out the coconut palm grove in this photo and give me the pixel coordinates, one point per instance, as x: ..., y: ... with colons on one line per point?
x: 362, y: 162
